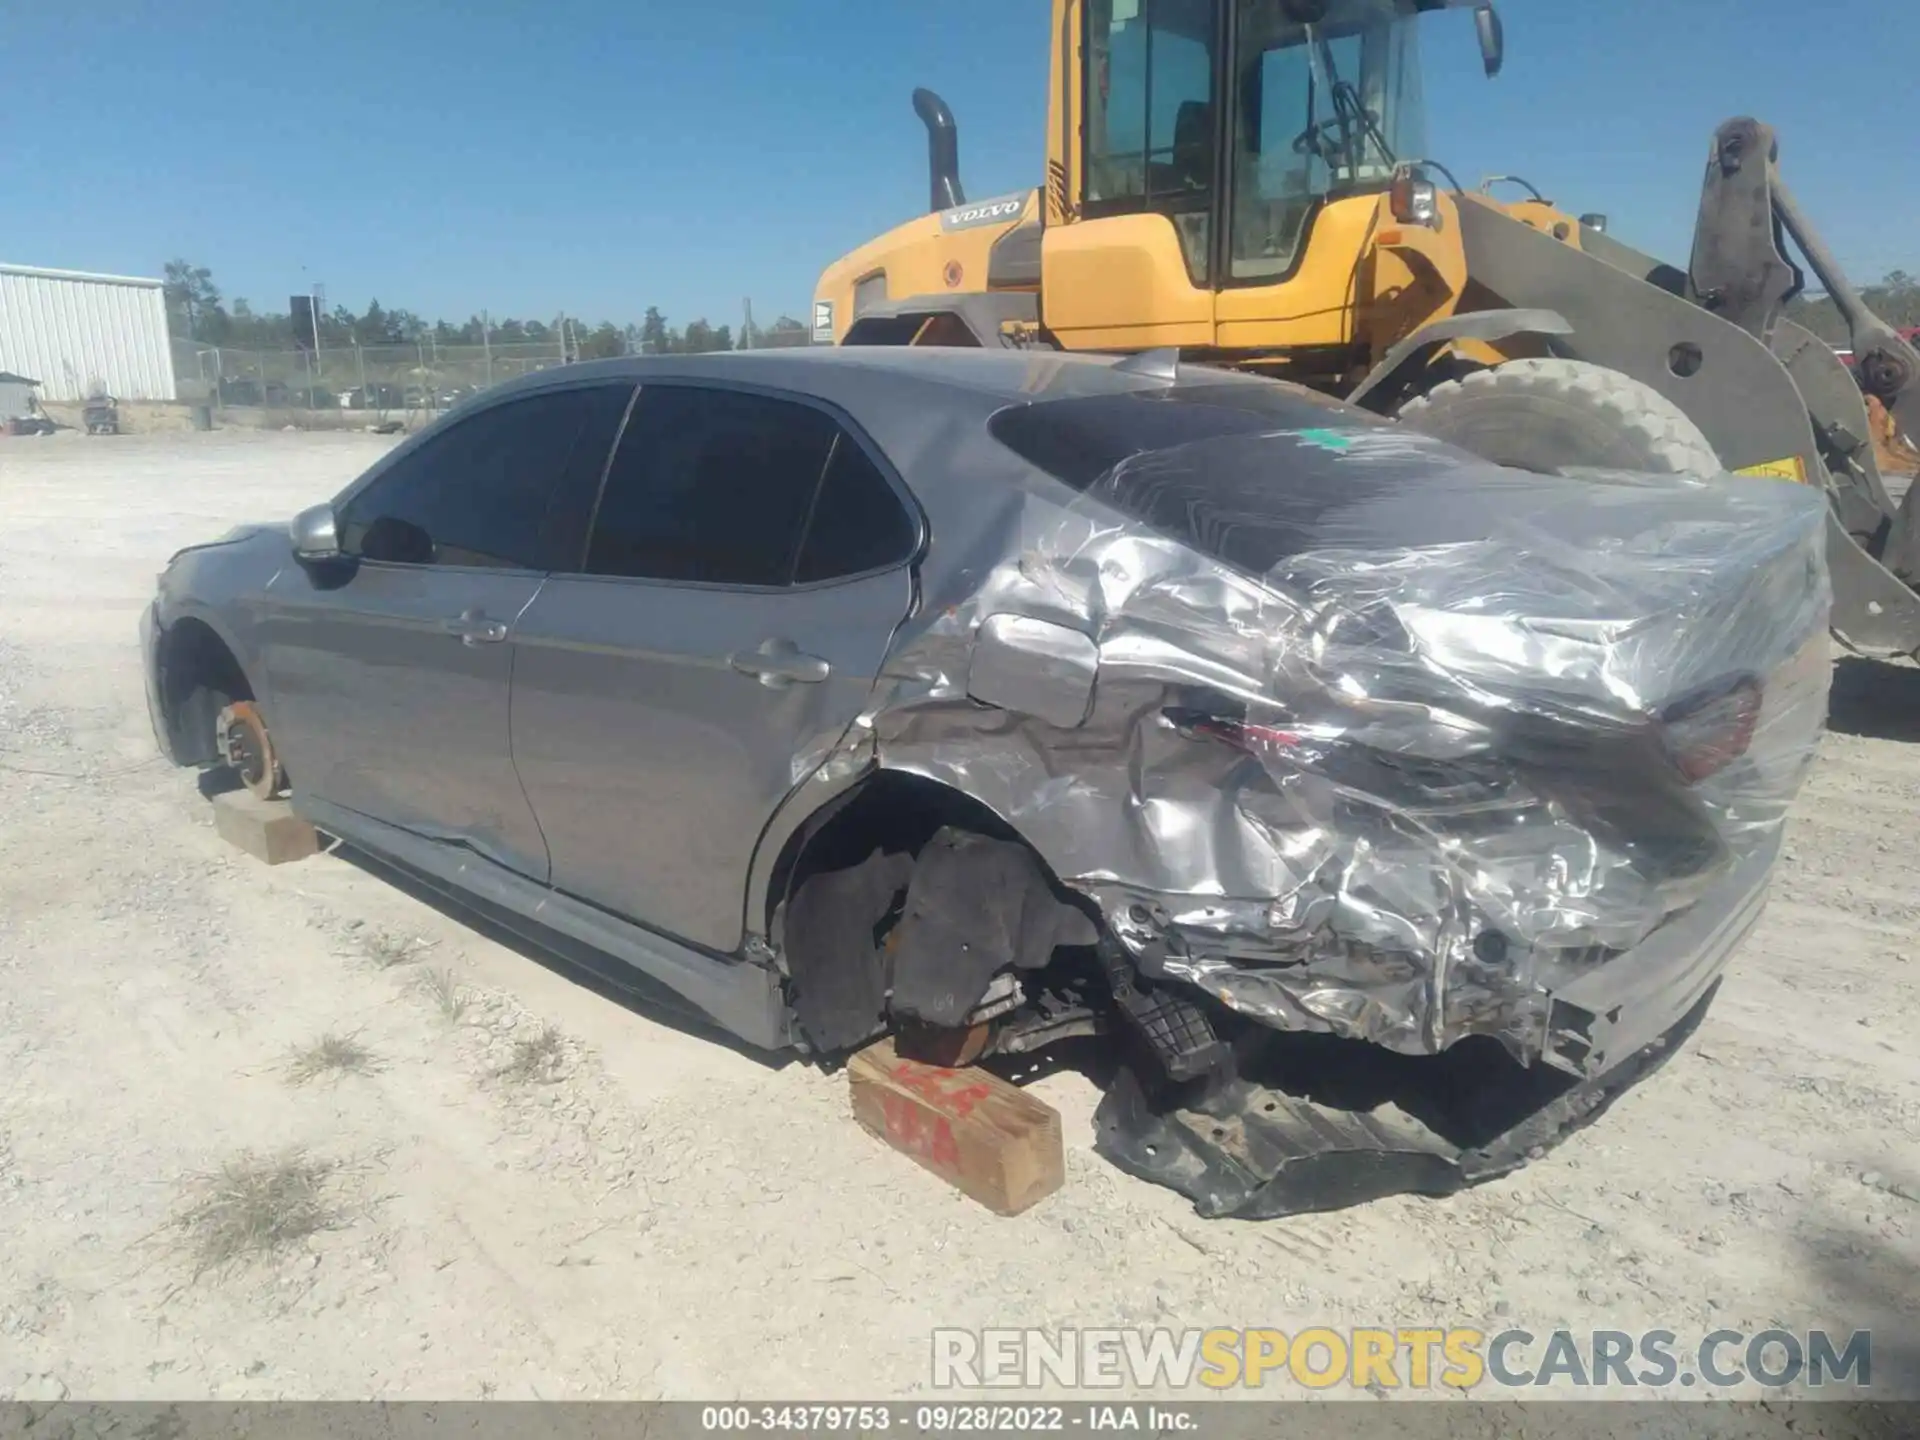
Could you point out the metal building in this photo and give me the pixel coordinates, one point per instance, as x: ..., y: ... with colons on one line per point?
x: 80, y: 334
x: 16, y: 394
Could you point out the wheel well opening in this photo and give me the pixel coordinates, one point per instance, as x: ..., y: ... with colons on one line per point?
x: 907, y: 902
x: 892, y: 812
x: 199, y: 677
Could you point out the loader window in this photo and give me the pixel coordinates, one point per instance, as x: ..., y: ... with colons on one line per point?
x: 1319, y: 111
x: 1150, y: 108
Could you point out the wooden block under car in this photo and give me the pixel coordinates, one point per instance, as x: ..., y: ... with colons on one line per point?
x: 268, y: 830
x: 991, y: 1140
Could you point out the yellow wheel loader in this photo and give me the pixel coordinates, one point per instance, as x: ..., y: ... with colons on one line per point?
x: 1246, y: 182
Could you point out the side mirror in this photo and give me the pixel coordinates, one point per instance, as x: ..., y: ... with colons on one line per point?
x: 315, y: 533
x: 1493, y: 38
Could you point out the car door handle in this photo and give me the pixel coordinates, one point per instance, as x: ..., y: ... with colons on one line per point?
x: 780, y: 663
x: 474, y: 628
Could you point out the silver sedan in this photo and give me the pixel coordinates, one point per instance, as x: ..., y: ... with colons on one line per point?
x: 991, y: 699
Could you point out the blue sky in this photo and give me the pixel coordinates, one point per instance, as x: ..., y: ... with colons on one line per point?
x: 599, y: 156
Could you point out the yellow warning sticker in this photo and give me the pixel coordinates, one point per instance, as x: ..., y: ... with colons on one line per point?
x: 1791, y: 468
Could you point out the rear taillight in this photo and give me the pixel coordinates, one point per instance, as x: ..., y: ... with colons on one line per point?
x: 1710, y: 729
x: 1242, y: 735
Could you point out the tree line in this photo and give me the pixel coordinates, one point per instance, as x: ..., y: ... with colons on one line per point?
x: 1896, y: 300
x: 198, y: 311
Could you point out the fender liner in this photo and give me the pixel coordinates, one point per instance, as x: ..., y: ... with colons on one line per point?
x: 1387, y: 383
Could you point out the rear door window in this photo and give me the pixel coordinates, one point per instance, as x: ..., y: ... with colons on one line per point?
x: 721, y: 487
x: 509, y: 487
x: 859, y: 523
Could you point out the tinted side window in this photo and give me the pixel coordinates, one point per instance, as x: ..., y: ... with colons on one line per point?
x: 571, y: 512
x: 509, y: 487
x: 859, y: 523
x: 710, y: 485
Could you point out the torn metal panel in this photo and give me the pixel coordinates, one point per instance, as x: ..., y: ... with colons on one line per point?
x: 1035, y: 667
x: 1384, y: 742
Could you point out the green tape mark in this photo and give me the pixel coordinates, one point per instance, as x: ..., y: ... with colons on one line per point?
x: 1324, y: 439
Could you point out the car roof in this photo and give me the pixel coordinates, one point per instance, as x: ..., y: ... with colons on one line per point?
x: 841, y: 373
x: 928, y: 408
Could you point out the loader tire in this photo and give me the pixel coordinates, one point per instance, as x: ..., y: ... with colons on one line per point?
x: 1546, y: 415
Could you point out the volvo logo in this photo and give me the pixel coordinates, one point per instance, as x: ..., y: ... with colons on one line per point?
x: 984, y: 212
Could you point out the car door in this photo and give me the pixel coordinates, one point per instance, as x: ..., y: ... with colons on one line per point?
x: 389, y: 673
x: 748, y: 565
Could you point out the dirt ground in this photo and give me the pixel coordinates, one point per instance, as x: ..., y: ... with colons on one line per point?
x: 519, y: 1186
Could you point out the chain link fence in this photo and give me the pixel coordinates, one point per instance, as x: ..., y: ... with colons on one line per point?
x: 392, y: 380
x: 352, y: 383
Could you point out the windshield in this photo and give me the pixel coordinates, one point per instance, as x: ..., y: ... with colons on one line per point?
x: 1321, y: 109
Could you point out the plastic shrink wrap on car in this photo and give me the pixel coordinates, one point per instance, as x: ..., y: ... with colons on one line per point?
x: 1362, y: 736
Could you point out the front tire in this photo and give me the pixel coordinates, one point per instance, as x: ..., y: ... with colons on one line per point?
x: 1550, y: 415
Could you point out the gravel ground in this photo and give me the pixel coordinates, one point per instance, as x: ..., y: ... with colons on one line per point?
x: 516, y: 1186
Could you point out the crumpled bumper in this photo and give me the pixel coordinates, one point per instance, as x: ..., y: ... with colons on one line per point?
x: 1596, y: 1021
x: 1262, y: 1144
x: 1581, y: 1011
x: 1254, y: 1150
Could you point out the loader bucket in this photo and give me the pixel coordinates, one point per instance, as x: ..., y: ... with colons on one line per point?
x: 1874, y: 612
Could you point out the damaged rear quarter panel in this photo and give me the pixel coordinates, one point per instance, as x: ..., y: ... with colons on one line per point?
x: 1057, y: 634
x: 1034, y: 667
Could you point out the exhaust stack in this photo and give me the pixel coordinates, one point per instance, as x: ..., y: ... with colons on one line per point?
x: 943, y: 149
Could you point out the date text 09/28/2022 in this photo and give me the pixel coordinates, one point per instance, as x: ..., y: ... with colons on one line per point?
x: 961, y: 1418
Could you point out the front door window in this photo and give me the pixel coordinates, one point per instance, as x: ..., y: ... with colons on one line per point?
x: 391, y: 676
x: 507, y: 488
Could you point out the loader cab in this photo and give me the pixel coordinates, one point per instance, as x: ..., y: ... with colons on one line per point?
x: 1317, y: 111
x: 1217, y: 167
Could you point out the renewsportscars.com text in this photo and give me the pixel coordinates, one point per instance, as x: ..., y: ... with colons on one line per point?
x: 1399, y: 1358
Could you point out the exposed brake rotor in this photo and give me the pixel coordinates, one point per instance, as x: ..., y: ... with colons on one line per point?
x: 246, y: 746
